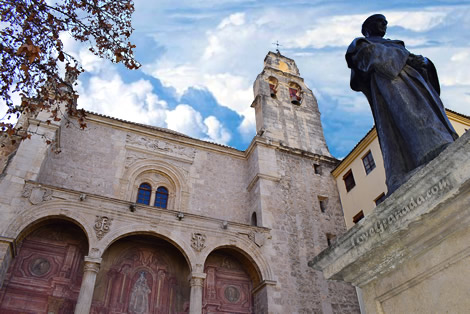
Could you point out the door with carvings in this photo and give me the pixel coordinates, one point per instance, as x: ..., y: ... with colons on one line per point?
x: 46, y: 275
x: 139, y: 277
x: 227, y: 288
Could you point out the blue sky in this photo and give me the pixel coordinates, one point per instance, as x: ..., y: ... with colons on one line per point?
x: 201, y: 57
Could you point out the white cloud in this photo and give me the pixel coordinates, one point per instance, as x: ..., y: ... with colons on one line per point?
x: 179, y: 77
x: 457, y: 98
x: 91, y: 63
x: 418, y: 21
x: 452, y: 64
x: 186, y: 120
x: 339, y: 30
x: 216, y: 131
x: 334, y: 31
x: 16, y: 99
x: 247, y: 128
x: 134, y: 102
x: 236, y: 19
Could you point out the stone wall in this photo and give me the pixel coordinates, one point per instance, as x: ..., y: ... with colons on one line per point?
x: 96, y: 160
x: 299, y: 231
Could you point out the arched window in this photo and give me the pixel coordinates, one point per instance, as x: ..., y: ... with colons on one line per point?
x: 295, y: 93
x: 161, y: 197
x: 273, y: 83
x: 143, y: 197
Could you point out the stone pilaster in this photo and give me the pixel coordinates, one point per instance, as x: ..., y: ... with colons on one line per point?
x: 6, y: 255
x: 197, y: 286
x: 92, y: 265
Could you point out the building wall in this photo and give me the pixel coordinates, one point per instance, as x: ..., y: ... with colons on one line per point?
x: 108, y: 159
x: 370, y: 186
x: 136, y: 249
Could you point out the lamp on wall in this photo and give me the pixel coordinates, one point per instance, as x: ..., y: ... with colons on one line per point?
x: 180, y: 215
x: 132, y: 207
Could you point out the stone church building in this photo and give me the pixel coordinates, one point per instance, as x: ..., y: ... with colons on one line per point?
x: 130, y: 218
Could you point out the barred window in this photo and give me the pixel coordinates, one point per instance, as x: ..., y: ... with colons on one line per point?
x: 161, y: 197
x: 143, y: 196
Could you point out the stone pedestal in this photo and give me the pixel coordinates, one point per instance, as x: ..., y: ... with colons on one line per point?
x: 411, y: 254
x: 92, y: 265
x: 197, y: 285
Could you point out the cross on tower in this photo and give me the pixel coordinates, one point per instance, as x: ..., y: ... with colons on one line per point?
x: 277, y: 46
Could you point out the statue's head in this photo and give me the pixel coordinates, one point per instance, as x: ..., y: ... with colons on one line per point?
x: 374, y: 25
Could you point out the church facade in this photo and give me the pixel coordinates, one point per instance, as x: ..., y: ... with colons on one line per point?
x: 128, y: 218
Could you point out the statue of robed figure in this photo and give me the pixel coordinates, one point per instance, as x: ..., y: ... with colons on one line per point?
x: 403, y: 93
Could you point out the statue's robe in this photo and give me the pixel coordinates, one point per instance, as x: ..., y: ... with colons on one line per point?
x: 411, y: 122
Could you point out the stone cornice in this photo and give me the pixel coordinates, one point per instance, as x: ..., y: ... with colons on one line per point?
x: 262, y: 141
x: 261, y: 176
x: 263, y: 284
x: 36, y: 122
x: 112, y: 206
x: 11, y: 243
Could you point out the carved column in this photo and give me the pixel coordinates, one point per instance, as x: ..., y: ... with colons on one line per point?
x: 197, y: 286
x: 90, y: 269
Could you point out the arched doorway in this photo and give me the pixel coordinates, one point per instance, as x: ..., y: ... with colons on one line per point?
x: 142, y: 274
x: 229, y: 283
x: 46, y: 274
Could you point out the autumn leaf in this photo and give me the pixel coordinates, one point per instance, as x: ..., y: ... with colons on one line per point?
x: 32, y: 51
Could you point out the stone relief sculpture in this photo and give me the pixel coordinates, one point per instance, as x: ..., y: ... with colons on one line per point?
x: 403, y: 92
x: 198, y: 241
x: 139, y: 301
x: 161, y: 146
x: 102, y: 226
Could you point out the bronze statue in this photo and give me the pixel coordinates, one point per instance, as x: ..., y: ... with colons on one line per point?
x: 403, y: 93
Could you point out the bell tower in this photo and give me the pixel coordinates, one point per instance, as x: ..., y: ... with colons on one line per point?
x: 286, y: 109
